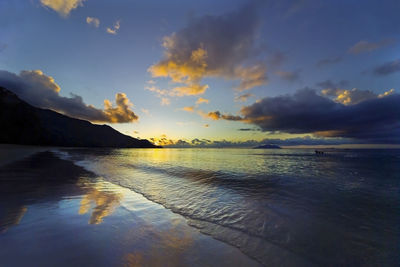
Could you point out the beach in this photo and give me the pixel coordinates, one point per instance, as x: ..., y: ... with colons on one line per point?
x: 55, y: 213
x: 199, y: 207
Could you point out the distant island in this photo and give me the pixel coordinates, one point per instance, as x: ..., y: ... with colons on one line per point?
x: 268, y: 147
x: 24, y: 124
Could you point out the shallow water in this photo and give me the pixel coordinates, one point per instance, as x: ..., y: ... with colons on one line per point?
x: 286, y: 207
x: 53, y: 213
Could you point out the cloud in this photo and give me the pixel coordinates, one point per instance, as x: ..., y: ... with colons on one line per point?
x: 216, y: 115
x: 375, y: 120
x: 178, y: 91
x: 194, y: 89
x: 289, y: 76
x: 122, y: 112
x: 42, y: 91
x: 348, y: 97
x: 243, y: 98
x: 365, y: 46
x: 62, y: 7
x: 188, y: 109
x: 388, y: 68
x: 158, y: 91
x: 165, y: 101
x: 353, y: 96
x: 387, y: 93
x: 213, y: 46
x: 328, y: 61
x: 248, y: 129
x: 297, y: 141
x: 202, y: 100
x: 163, y: 94
x: 93, y: 21
x: 114, y: 29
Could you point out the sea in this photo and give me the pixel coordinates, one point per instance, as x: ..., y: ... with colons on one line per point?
x: 280, y: 207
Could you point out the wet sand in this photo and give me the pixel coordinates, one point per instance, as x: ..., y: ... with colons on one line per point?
x: 10, y: 153
x: 54, y: 213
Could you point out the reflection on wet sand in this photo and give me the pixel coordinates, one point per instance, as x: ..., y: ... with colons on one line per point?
x: 12, y: 216
x: 168, y: 247
x: 105, y: 204
x: 49, y: 208
x: 36, y: 179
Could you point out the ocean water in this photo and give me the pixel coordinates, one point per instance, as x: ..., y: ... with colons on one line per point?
x: 282, y: 207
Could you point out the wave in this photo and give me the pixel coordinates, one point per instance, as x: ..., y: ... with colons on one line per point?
x: 275, y: 219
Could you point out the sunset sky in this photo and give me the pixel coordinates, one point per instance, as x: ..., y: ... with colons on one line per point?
x: 211, y: 70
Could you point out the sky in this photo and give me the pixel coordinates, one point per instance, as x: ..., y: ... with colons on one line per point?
x: 200, y: 73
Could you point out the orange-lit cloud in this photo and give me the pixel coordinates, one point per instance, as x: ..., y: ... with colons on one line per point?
x: 353, y: 96
x: 62, y: 7
x: 192, y: 89
x: 201, y: 100
x: 165, y: 101
x: 114, y: 29
x: 250, y: 76
x: 121, y: 112
x: 162, y: 140
x: 217, y: 115
x: 39, y: 78
x: 222, y: 47
x: 214, y: 115
x: 104, y: 204
x: 41, y: 90
x: 93, y: 21
x: 188, y: 109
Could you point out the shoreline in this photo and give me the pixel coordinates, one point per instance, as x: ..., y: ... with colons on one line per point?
x: 11, y: 153
x: 45, y: 198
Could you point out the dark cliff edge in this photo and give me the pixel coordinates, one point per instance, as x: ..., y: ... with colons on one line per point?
x: 21, y: 123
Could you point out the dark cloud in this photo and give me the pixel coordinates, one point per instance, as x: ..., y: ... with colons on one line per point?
x: 348, y: 96
x: 248, y: 129
x: 42, y: 91
x: 376, y: 120
x: 328, y: 61
x: 214, y: 46
x: 388, y: 68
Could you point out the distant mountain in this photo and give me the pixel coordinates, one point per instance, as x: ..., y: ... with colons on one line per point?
x: 268, y: 147
x: 21, y: 123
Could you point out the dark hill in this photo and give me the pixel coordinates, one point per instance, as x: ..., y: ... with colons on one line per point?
x: 268, y: 146
x: 21, y: 123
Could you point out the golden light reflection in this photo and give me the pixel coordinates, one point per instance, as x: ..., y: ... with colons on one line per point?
x: 105, y: 204
x: 167, y: 248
